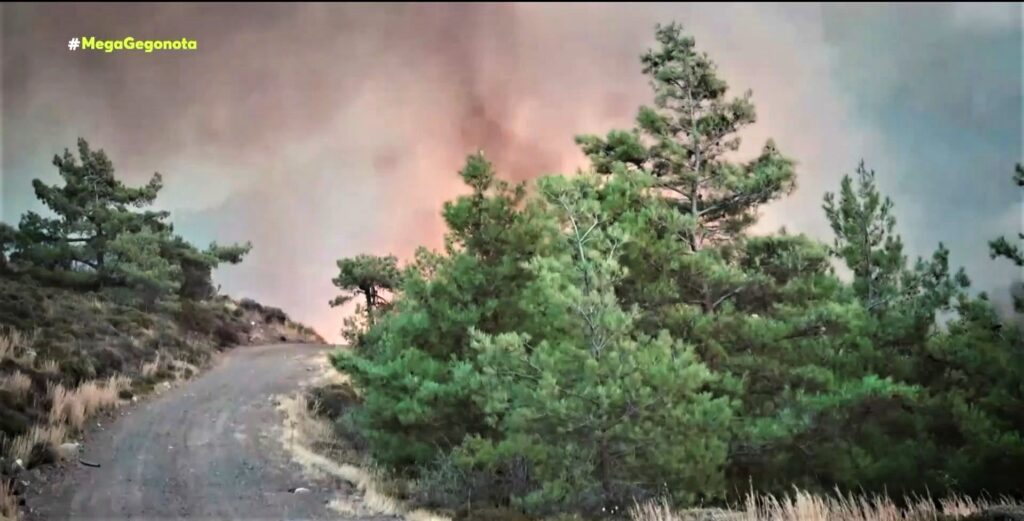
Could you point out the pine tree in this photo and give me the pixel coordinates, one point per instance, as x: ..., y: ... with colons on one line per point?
x: 102, y: 235
x: 906, y: 297
x: 368, y: 276
x: 863, y: 224
x: 683, y: 141
x: 416, y: 407
x: 602, y: 413
x: 616, y: 336
x: 973, y: 374
x: 964, y: 376
x: 92, y: 209
x: 1002, y: 247
x: 135, y: 261
x: 196, y: 266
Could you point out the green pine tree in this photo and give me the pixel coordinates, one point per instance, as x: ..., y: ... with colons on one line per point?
x: 368, y: 276
x: 906, y: 299
x: 1002, y: 247
x: 196, y: 266
x: 682, y: 143
x: 602, y: 413
x: 103, y: 234
x: 865, y: 240
x: 91, y: 210
x: 683, y: 140
x: 416, y: 407
x: 135, y: 261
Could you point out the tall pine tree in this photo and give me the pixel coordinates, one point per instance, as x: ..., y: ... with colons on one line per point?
x: 103, y: 233
x: 684, y: 141
x: 91, y: 210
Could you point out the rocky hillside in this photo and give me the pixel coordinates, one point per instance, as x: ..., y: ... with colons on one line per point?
x: 66, y: 354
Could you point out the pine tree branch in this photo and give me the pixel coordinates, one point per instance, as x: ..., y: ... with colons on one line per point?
x: 727, y: 296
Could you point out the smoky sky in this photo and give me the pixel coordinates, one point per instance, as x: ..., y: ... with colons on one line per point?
x: 319, y: 131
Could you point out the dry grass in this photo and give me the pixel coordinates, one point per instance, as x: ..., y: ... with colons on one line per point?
x: 65, y: 407
x: 168, y: 369
x: 303, y: 430
x: 119, y: 383
x: 182, y: 370
x: 72, y: 407
x: 49, y: 367
x: 68, y: 412
x: 48, y: 435
x: 6, y: 347
x: 16, y: 383
x: 13, y: 343
x: 327, y: 375
x: 150, y: 368
x: 8, y: 503
x: 805, y: 506
x: 303, y: 425
x: 655, y: 511
x: 960, y: 506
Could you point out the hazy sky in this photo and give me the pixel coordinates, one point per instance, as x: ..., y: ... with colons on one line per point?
x: 320, y: 131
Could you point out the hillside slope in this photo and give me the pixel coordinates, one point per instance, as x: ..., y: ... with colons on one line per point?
x: 66, y: 355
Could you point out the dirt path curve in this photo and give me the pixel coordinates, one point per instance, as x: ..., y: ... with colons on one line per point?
x: 208, y: 449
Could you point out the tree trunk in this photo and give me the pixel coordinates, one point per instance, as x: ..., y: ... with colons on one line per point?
x: 605, y: 473
x: 371, y: 297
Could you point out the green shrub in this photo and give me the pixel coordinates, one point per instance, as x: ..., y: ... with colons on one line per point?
x: 274, y: 316
x: 77, y: 368
x: 227, y: 336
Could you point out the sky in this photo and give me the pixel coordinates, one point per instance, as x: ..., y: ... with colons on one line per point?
x: 320, y: 131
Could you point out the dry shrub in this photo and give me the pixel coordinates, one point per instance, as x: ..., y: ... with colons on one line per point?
x: 805, y: 506
x: 13, y: 343
x: 50, y: 436
x: 8, y: 502
x: 182, y: 370
x: 119, y: 383
x: 72, y: 407
x: 65, y: 407
x: 303, y: 431
x: 49, y: 367
x: 95, y: 396
x: 16, y: 383
x: 150, y: 368
x: 654, y: 511
x: 6, y: 347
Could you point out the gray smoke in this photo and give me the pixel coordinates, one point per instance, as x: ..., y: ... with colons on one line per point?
x: 323, y: 130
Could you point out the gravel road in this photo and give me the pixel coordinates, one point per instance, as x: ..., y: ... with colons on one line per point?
x: 207, y: 449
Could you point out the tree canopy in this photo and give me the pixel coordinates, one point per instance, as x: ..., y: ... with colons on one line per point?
x: 100, y: 233
x: 368, y: 276
x: 584, y: 342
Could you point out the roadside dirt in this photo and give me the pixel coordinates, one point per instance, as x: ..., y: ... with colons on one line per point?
x: 208, y: 449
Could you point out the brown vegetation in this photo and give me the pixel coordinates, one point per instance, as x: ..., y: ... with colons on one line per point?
x: 805, y: 506
x: 8, y: 502
x: 315, y: 443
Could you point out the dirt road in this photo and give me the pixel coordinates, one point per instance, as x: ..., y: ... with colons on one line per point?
x: 208, y: 449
